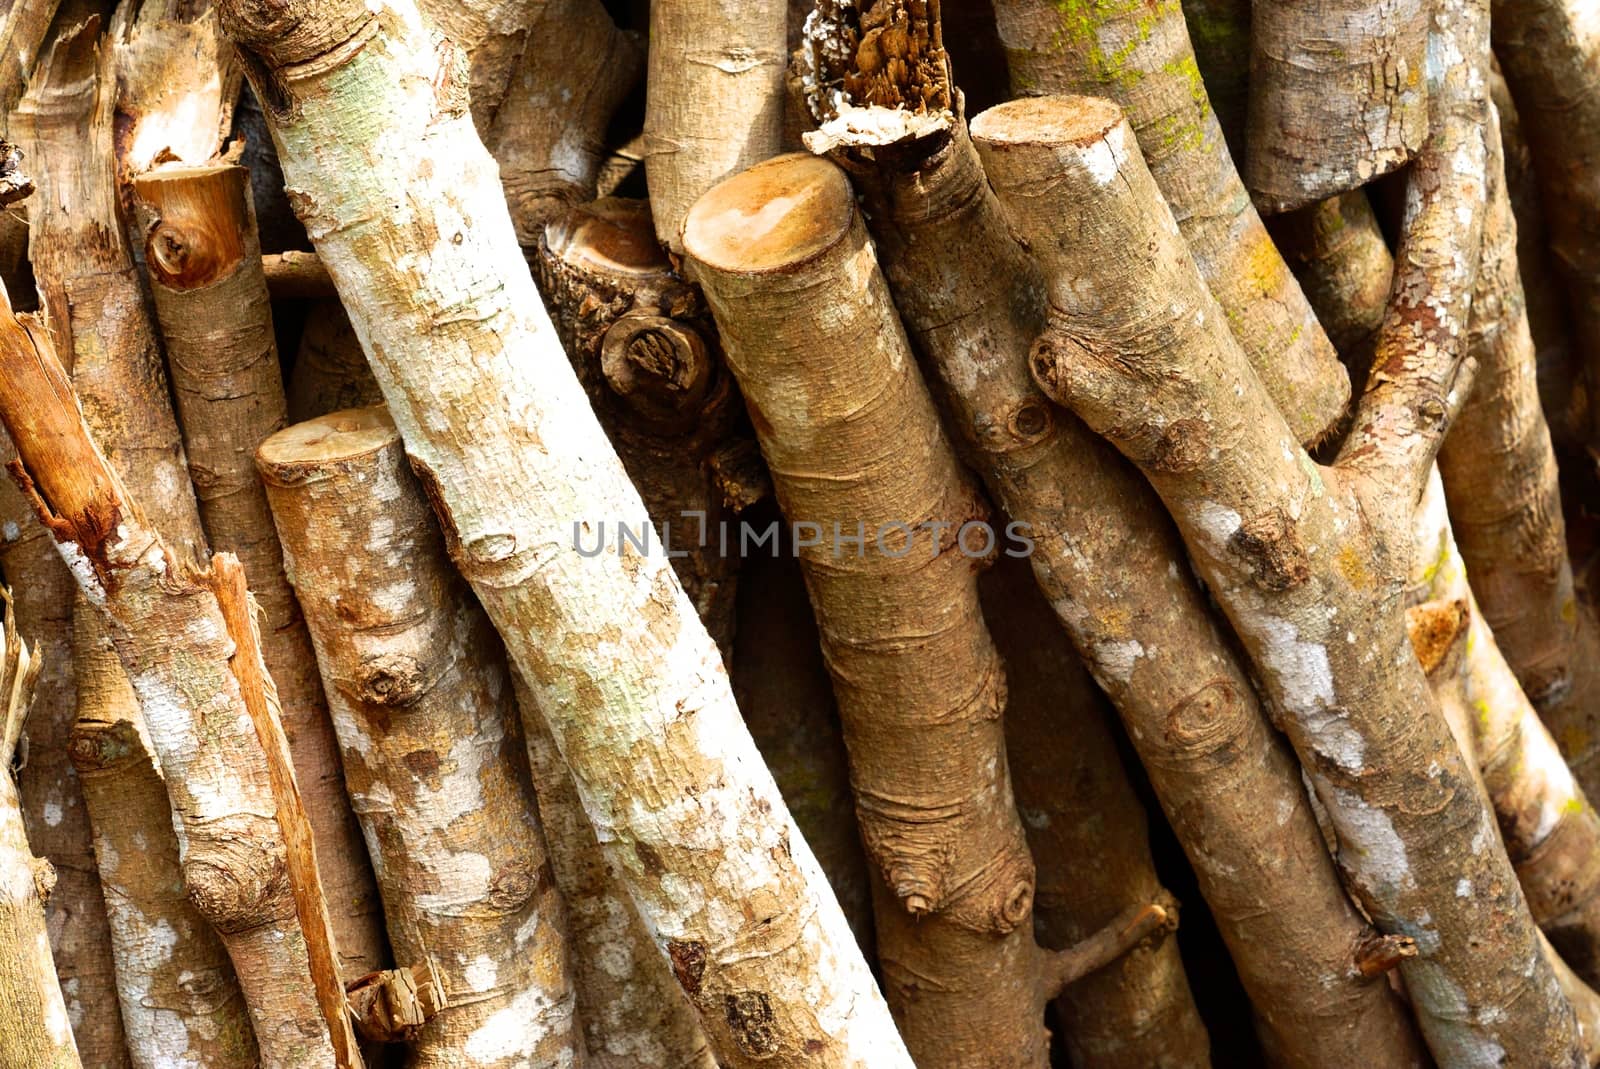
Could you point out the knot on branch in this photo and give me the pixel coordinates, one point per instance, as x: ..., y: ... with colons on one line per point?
x: 95, y: 746
x: 1270, y: 547
x: 660, y: 368
x: 238, y: 881
x: 391, y: 680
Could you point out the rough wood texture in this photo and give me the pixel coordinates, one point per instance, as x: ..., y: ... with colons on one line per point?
x: 549, y: 135
x: 621, y: 667
x: 204, y: 264
x: 1551, y: 59
x: 788, y: 704
x: 634, y: 1014
x: 94, y: 297
x: 420, y: 695
x: 52, y: 799
x: 645, y: 348
x: 1337, y: 96
x: 185, y: 640
x: 1139, y: 55
x: 1076, y: 803
x: 1398, y: 794
x: 34, y: 1028
x: 714, y: 99
x: 176, y: 83
x: 493, y: 34
x: 856, y: 452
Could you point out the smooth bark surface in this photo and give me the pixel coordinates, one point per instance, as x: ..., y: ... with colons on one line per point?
x: 549, y: 135
x: 420, y: 695
x: 630, y: 681
x: 714, y: 99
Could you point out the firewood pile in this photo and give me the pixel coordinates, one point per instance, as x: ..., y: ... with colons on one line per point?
x: 857, y: 534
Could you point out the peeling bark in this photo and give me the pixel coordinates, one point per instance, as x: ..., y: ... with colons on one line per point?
x: 330, y: 371
x: 1337, y: 96
x: 854, y: 445
x: 420, y: 695
x: 1300, y: 555
x: 34, y: 1029
x: 185, y: 640
x: 176, y: 83
x: 204, y: 263
x: 493, y: 34
x: 1139, y: 55
x: 549, y: 135
x: 634, y: 1014
x: 92, y: 292
x: 714, y: 99
x: 614, y: 655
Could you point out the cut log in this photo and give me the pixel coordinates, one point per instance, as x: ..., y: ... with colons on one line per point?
x: 617, y: 660
x: 420, y: 694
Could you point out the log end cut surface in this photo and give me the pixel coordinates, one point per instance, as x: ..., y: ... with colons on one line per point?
x: 1052, y: 120
x: 354, y: 432
x: 775, y: 215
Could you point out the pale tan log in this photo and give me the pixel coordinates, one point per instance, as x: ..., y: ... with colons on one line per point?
x: 203, y: 259
x: 422, y: 701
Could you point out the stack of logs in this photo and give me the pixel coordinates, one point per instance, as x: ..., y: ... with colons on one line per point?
x: 550, y: 533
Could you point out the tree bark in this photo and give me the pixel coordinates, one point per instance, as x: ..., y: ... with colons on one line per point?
x: 176, y: 84
x: 1337, y: 96
x: 645, y: 348
x: 1501, y: 480
x: 185, y: 639
x: 1219, y: 30
x: 330, y: 371
x: 34, y: 1029
x: 1560, y: 386
x: 854, y: 445
x: 1549, y: 56
x: 204, y: 264
x: 634, y: 1014
x: 617, y: 661
x: 1112, y: 567
x: 422, y: 701
x: 714, y: 97
x: 1339, y: 256
x: 788, y: 704
x: 92, y: 292
x: 1076, y: 803
x: 1178, y: 399
x: 50, y: 794
x: 1550, y: 830
x: 549, y: 135
x: 178, y: 994
x: 1140, y: 57
x: 493, y: 34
